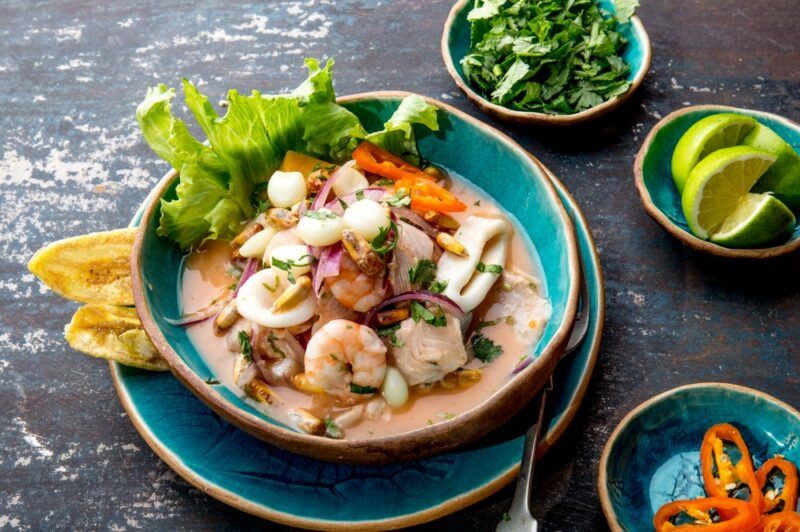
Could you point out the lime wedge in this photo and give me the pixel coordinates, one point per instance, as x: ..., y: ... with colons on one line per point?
x: 718, y: 183
x: 783, y: 177
x: 707, y: 135
x: 758, y: 220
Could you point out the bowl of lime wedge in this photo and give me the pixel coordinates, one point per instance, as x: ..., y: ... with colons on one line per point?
x: 724, y: 180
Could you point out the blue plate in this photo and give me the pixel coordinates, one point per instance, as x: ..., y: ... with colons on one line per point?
x: 263, y: 480
x: 456, y: 42
x: 653, y: 172
x: 653, y: 456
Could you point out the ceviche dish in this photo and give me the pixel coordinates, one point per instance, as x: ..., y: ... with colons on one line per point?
x: 343, y: 283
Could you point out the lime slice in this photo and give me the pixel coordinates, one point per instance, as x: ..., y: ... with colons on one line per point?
x: 717, y: 184
x: 758, y: 220
x: 710, y: 134
x: 783, y: 177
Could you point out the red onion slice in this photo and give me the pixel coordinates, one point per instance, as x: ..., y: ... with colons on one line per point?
x: 415, y: 219
x: 447, y: 304
x: 249, y: 269
x: 322, y: 196
x: 522, y: 365
x: 371, y: 193
x: 329, y: 264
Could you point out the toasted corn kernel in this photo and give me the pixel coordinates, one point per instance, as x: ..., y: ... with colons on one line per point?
x: 445, y: 221
x: 316, y: 179
x: 302, y: 383
x: 282, y: 218
x: 245, y: 235
x: 435, y: 172
x: 463, y: 378
x: 362, y: 254
x: 390, y: 317
x: 449, y: 243
x: 258, y: 390
x: 293, y: 296
x: 306, y: 421
x: 227, y: 317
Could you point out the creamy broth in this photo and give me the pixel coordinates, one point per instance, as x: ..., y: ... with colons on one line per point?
x: 206, y: 275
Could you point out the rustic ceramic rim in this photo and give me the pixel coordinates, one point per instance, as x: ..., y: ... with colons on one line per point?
x: 602, y: 477
x: 678, y: 232
x: 450, y: 506
x: 541, y: 119
x: 412, y: 445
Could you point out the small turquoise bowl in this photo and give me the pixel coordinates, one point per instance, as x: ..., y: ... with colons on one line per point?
x: 456, y: 42
x: 463, y: 145
x: 653, y: 175
x: 653, y: 456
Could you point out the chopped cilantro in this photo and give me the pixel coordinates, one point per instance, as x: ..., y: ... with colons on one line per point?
x: 211, y: 381
x: 360, y: 194
x: 485, y: 350
x: 400, y: 198
x: 356, y: 388
x: 489, y: 268
x: 271, y: 288
x: 423, y: 273
x: 438, y: 287
x: 288, y: 264
x: 484, y: 324
x: 477, y: 203
x: 245, y: 346
x: 547, y: 56
x: 506, y: 517
x: 272, y: 340
x: 381, y: 244
x: 332, y: 430
x: 421, y: 312
x: 389, y: 332
x: 383, y: 182
x: 446, y: 415
x: 342, y: 203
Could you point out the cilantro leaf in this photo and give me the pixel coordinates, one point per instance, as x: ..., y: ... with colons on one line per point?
x: 423, y: 273
x: 357, y: 388
x: 421, y: 312
x: 245, y: 346
x: 485, y: 350
x: 489, y: 268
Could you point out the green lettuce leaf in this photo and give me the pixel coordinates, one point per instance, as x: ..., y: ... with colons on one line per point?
x: 398, y: 133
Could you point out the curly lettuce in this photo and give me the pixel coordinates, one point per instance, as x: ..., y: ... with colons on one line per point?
x: 215, y: 195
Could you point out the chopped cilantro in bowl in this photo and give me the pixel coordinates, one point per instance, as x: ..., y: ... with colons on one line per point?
x: 554, y: 57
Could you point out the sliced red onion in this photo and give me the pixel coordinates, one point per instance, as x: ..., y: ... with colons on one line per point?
x: 415, y: 219
x: 371, y: 193
x: 249, y: 269
x: 447, y: 304
x: 330, y: 261
x: 522, y: 365
x: 322, y: 195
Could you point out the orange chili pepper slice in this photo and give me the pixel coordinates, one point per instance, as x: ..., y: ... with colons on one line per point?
x: 738, y: 515
x: 790, y: 484
x: 712, y: 453
x: 374, y: 159
x: 780, y: 522
x: 426, y: 196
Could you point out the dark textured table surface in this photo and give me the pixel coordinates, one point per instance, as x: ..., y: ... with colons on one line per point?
x: 71, y: 73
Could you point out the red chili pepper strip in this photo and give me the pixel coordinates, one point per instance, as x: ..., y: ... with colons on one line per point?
x: 739, y: 515
x: 426, y: 196
x: 790, y: 484
x: 712, y: 453
x: 780, y: 522
x: 374, y: 159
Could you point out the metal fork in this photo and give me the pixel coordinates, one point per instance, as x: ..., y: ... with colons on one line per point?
x: 520, y: 516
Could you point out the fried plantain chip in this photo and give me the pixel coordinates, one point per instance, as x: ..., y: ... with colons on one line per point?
x: 93, y: 268
x: 114, y: 333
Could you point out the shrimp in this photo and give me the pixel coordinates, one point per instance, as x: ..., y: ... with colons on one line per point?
x: 354, y: 289
x: 346, y: 359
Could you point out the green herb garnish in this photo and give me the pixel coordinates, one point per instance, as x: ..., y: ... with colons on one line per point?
x: 383, y: 182
x: 421, y: 312
x: 245, y: 346
x: 547, y: 56
x: 271, y: 288
x: 437, y: 287
x: 485, y: 324
x: 356, y: 388
x: 390, y: 333
x: 322, y: 214
x: 342, y: 203
x: 272, y: 340
x: 401, y: 198
x: 381, y: 244
x: 489, y: 268
x: 288, y: 264
x: 423, y: 273
x: 211, y: 381
x: 485, y: 350
x: 360, y: 194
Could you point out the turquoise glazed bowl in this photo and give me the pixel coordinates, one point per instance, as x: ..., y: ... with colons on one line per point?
x: 653, y: 175
x: 455, y: 46
x: 653, y: 456
x: 493, y: 162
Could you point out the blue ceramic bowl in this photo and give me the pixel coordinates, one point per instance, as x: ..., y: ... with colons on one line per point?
x: 653, y: 456
x: 653, y: 174
x: 456, y: 42
x: 464, y: 146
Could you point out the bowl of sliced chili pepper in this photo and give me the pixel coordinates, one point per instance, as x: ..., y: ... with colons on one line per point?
x: 714, y: 455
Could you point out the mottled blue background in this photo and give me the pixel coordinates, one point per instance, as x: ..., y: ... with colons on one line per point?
x: 71, y: 161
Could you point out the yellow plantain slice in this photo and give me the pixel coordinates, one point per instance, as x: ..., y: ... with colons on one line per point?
x: 93, y: 268
x: 114, y: 333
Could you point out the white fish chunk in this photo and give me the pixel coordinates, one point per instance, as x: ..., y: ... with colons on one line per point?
x: 428, y: 353
x: 519, y: 298
x: 414, y: 245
